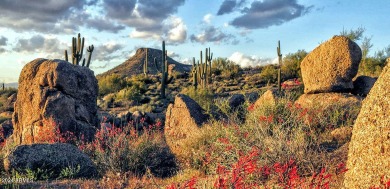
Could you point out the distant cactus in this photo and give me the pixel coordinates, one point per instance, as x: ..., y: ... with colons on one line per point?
x: 203, y: 70
x: 146, y: 63
x: 163, y: 68
x: 77, y: 51
x: 194, y: 74
x: 279, y: 67
x: 3, y: 86
x: 89, y: 50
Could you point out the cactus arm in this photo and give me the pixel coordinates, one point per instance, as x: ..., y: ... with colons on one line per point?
x: 89, y: 50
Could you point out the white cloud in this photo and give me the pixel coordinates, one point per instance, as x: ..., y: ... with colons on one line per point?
x: 246, y: 60
x: 207, y: 18
x: 177, y: 30
x: 174, y: 31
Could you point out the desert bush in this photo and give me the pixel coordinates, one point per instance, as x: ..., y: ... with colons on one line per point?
x: 225, y: 68
x: 126, y: 150
x: 291, y: 65
x: 110, y: 84
x: 204, y: 97
x: 129, y: 94
x: 269, y: 74
x: 142, y: 108
x: 272, y: 137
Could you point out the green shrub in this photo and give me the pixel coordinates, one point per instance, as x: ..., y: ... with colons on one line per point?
x: 269, y: 74
x: 204, y: 97
x: 291, y: 65
x: 225, y: 68
x: 111, y: 84
x: 122, y: 150
x: 129, y: 94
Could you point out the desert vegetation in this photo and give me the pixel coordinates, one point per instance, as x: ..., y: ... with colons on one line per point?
x: 262, y: 138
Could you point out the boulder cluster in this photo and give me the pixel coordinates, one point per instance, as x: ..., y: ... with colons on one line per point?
x: 327, y: 74
x: 54, y: 97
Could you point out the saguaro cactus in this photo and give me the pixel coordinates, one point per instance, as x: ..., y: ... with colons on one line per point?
x: 163, y: 76
x: 89, y: 50
x: 3, y: 87
x: 194, y: 74
x: 279, y: 68
x: 77, y: 51
x: 146, y: 63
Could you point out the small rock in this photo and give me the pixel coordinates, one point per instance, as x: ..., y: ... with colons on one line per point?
x: 236, y: 100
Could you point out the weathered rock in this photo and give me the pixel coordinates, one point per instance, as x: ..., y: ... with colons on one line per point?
x: 252, y: 97
x: 369, y: 149
x: 52, y: 158
x: 362, y: 85
x: 183, y: 119
x: 6, y: 129
x: 236, y: 100
x: 269, y: 98
x: 59, y: 90
x: 331, y: 66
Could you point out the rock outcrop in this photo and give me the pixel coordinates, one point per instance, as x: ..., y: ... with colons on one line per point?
x: 331, y: 66
x: 57, y: 90
x: 183, y: 119
x: 369, y: 149
x: 52, y: 158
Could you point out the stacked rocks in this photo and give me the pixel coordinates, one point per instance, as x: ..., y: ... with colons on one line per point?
x: 327, y: 74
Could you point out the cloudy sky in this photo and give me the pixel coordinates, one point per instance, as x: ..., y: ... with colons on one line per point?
x: 245, y: 31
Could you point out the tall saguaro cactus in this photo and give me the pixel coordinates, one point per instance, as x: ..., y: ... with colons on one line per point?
x: 194, y: 73
x: 279, y: 68
x: 163, y: 68
x: 77, y: 51
x: 146, y: 63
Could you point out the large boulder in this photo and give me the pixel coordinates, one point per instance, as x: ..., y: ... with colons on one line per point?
x: 52, y: 159
x: 363, y: 84
x: 369, y: 149
x: 183, y: 119
x: 59, y: 91
x: 331, y: 66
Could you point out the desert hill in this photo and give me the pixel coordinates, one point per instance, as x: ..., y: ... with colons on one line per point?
x: 134, y: 65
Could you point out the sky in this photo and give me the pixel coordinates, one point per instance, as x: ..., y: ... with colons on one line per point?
x: 244, y: 31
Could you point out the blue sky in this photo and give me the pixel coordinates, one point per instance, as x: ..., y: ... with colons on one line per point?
x: 245, y: 31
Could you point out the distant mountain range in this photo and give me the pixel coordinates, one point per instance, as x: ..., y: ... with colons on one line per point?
x: 134, y: 65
